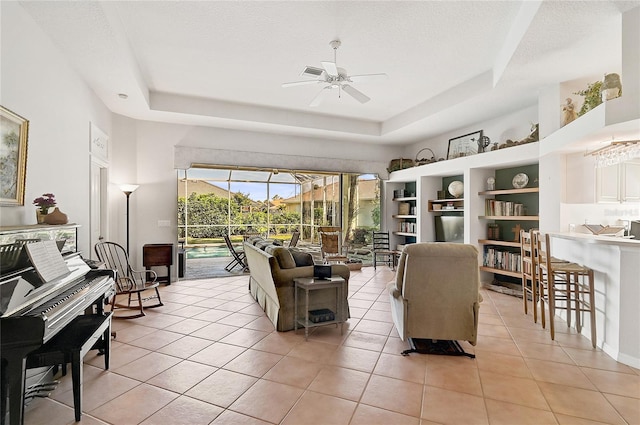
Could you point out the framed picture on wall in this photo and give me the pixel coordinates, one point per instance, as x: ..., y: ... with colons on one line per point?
x: 14, y: 131
x: 464, y: 145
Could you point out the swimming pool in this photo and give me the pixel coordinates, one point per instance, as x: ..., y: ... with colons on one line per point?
x: 207, y: 251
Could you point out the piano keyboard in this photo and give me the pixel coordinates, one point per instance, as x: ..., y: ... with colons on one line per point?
x: 52, y: 305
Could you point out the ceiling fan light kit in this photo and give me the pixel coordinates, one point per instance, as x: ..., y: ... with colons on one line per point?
x: 334, y: 77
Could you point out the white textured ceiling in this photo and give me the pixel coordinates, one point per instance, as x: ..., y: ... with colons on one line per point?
x: 450, y: 63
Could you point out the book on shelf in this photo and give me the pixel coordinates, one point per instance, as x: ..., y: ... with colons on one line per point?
x: 407, y: 227
x: 502, y: 260
x: 493, y: 207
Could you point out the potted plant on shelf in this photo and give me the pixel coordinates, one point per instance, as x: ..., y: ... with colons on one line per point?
x: 44, y: 202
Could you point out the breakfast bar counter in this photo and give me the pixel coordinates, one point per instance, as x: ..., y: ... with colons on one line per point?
x: 616, y: 265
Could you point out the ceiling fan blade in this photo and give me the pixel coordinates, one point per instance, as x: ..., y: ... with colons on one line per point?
x: 301, y: 83
x: 330, y: 68
x: 356, y: 94
x: 368, y: 77
x: 320, y: 96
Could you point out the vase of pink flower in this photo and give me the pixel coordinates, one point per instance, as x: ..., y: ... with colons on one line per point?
x: 44, y: 202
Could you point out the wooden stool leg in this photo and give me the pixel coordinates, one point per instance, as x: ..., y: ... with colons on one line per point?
x: 578, y: 302
x: 552, y: 305
x: 543, y: 314
x: 534, y: 299
x: 592, y: 307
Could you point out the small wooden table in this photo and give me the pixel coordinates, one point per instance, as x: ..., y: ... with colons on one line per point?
x: 308, y: 284
x: 158, y: 254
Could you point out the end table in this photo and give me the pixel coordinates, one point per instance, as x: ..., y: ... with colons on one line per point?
x: 308, y: 284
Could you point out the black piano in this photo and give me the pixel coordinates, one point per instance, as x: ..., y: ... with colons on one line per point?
x: 33, y: 312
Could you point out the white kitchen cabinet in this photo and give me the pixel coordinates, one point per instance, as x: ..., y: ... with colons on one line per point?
x: 618, y: 183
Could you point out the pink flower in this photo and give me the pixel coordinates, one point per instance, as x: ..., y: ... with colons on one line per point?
x: 45, y: 202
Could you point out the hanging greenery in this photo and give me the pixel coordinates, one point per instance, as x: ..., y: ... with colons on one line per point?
x: 592, y: 97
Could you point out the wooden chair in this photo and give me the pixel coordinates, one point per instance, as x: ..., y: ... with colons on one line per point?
x: 330, y: 244
x: 129, y: 282
x: 239, y: 257
x: 529, y: 272
x: 382, y: 253
x: 564, y: 285
x: 295, y: 237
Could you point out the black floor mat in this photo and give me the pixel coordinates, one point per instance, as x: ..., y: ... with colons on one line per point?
x: 433, y: 346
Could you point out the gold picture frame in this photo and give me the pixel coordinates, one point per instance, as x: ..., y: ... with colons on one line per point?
x: 14, y: 132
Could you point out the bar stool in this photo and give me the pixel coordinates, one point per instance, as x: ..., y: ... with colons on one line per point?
x: 528, y: 268
x: 568, y: 283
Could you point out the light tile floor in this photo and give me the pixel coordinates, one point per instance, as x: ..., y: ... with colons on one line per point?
x: 210, y: 356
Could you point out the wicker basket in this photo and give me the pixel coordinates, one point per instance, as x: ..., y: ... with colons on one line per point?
x: 422, y: 161
x: 399, y: 164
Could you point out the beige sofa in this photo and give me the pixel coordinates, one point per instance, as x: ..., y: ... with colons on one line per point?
x: 436, y: 292
x: 273, y: 269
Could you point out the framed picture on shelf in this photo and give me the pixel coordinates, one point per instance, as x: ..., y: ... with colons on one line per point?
x: 464, y: 145
x: 13, y: 156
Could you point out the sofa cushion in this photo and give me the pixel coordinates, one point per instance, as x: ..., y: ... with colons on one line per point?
x: 301, y: 258
x: 262, y: 244
x: 276, y: 242
x: 254, y: 239
x: 284, y: 257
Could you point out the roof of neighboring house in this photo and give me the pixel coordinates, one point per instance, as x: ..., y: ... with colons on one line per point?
x: 201, y: 187
x: 366, y: 192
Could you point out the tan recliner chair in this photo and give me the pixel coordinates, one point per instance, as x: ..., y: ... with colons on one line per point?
x: 436, y: 292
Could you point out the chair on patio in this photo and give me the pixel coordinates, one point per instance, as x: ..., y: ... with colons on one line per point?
x: 239, y: 257
x: 128, y: 281
x: 295, y: 237
x: 330, y: 244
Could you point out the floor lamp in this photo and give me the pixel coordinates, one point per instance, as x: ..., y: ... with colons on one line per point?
x: 128, y: 189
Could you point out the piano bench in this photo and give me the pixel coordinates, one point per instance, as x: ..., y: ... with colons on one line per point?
x: 84, y: 333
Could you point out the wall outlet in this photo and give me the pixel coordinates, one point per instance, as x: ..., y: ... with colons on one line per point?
x: 164, y: 223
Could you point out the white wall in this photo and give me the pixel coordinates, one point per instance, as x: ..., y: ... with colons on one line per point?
x: 144, y: 154
x: 515, y: 126
x: 40, y: 86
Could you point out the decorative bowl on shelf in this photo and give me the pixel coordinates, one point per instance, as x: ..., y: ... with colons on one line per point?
x: 456, y: 188
x: 520, y: 180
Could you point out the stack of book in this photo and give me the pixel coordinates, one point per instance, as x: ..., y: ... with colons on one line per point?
x: 494, y: 207
x: 503, y: 260
x: 408, y: 227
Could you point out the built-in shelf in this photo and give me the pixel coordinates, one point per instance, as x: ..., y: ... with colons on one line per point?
x: 511, y: 217
x: 510, y: 191
x: 440, y: 205
x: 499, y: 243
x: 405, y: 234
x: 404, y: 216
x: 500, y: 271
x: 445, y: 201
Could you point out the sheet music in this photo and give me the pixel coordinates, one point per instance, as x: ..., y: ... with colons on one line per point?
x: 47, y: 260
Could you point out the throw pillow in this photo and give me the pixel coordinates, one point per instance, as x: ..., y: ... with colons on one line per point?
x: 284, y: 257
x: 302, y: 259
x: 262, y: 244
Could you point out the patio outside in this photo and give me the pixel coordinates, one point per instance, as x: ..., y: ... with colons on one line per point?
x: 213, y: 202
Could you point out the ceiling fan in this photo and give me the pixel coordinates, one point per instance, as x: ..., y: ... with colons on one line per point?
x: 334, y: 78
